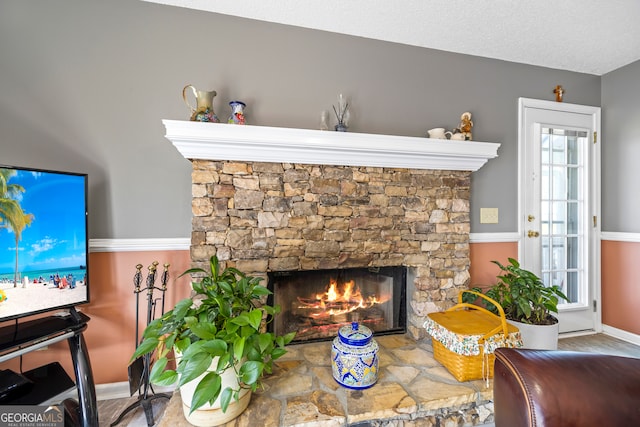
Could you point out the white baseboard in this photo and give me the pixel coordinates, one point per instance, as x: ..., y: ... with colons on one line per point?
x: 106, y: 391
x: 620, y: 334
x: 120, y: 390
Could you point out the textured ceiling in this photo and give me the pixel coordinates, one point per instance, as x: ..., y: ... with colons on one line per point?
x: 589, y: 36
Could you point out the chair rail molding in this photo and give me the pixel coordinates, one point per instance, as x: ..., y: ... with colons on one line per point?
x: 221, y: 141
x: 133, y: 245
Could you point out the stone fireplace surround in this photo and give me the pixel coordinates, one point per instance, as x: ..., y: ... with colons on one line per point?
x: 272, y: 199
x: 275, y: 199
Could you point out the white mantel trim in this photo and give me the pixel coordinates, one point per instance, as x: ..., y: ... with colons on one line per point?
x: 221, y: 141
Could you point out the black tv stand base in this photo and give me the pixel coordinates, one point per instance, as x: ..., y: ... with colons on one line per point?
x: 24, y: 337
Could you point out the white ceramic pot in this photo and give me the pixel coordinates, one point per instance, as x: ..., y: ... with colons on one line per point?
x: 212, y: 415
x: 539, y: 337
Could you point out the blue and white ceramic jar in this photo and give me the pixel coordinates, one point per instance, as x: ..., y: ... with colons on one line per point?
x: 354, y: 357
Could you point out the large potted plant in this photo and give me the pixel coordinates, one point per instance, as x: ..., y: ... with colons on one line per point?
x: 219, y: 341
x: 528, y: 304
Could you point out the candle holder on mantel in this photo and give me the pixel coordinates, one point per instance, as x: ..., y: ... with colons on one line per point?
x: 342, y: 114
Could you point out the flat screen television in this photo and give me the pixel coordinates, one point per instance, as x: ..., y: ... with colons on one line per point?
x: 43, y: 241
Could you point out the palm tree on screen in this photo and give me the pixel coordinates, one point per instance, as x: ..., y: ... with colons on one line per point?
x: 11, y: 214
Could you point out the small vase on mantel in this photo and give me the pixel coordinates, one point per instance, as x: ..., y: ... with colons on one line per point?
x: 237, y: 113
x: 342, y: 114
x: 203, y: 112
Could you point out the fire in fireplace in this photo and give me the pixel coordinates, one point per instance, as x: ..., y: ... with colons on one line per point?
x: 317, y: 303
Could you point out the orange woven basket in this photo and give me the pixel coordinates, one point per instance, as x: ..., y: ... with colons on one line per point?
x: 471, y: 324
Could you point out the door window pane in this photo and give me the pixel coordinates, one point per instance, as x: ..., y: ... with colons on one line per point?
x: 561, y: 207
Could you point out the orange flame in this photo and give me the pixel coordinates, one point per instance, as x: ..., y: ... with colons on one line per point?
x: 340, y: 302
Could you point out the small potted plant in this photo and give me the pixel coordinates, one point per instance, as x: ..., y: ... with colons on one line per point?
x: 220, y: 344
x: 527, y: 303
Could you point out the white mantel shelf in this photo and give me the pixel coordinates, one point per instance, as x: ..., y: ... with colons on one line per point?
x: 221, y: 141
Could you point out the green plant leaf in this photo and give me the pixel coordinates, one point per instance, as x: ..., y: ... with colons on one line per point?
x: 181, y: 308
x: 194, y: 366
x: 278, y: 352
x: 231, y: 329
x: 223, y: 362
x: 253, y: 354
x: 238, y: 348
x: 260, y: 291
x: 207, y: 390
x: 289, y: 337
x: 158, y: 367
x: 264, y: 341
x: 204, y: 331
x: 241, y: 320
x: 182, y: 344
x: 192, y: 271
x: 146, y: 346
x: 250, y: 371
x: 225, y: 398
x: 223, y: 306
x: 255, y: 318
x: 193, y: 350
x: 215, y: 347
x: 214, y: 266
x: 226, y: 287
x: 166, y: 378
x: 247, y: 331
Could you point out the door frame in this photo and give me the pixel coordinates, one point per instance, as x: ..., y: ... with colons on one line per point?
x: 595, y: 194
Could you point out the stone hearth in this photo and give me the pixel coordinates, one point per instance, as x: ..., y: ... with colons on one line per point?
x: 413, y: 390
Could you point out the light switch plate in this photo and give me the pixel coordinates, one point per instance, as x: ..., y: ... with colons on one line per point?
x: 488, y: 215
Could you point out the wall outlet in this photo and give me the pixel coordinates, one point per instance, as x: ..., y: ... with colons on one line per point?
x: 488, y: 215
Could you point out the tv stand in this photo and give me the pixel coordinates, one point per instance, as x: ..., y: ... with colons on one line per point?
x: 25, y: 337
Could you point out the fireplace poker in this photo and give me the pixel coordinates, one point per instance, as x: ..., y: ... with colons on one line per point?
x: 151, y: 280
x: 164, y: 280
x: 137, y: 279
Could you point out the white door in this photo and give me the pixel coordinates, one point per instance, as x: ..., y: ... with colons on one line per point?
x: 559, y: 155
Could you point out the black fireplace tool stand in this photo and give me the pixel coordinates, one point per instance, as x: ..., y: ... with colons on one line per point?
x: 140, y: 368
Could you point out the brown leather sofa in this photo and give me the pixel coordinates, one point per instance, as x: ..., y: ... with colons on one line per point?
x: 551, y: 388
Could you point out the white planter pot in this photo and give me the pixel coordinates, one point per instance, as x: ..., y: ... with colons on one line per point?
x: 212, y: 415
x: 539, y: 337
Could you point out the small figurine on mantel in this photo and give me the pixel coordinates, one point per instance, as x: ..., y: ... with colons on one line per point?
x: 559, y: 91
x: 466, y: 125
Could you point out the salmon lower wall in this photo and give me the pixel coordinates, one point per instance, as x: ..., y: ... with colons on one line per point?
x: 110, y: 334
x: 482, y: 271
x: 620, y: 285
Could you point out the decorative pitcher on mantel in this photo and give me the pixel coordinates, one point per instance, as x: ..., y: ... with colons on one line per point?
x: 203, y: 112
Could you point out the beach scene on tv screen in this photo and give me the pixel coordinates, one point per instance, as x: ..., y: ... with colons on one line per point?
x: 43, y: 253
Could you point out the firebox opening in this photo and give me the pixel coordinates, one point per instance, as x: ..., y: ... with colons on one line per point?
x: 316, y: 303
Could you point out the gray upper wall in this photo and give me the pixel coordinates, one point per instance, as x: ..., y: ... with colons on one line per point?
x: 621, y: 149
x: 85, y: 84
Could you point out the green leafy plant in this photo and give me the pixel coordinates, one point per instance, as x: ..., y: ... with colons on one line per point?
x: 221, y: 319
x: 523, y: 295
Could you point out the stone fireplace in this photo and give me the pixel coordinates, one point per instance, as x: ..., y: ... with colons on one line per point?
x: 273, y: 200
